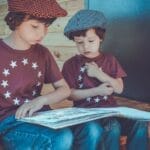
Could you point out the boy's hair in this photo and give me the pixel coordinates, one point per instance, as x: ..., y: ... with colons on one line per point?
x: 99, y: 32
x: 14, y: 19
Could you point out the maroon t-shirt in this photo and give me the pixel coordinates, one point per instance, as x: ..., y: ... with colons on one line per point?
x: 22, y: 74
x: 75, y: 74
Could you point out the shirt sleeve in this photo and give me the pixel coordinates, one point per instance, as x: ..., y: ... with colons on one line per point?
x: 116, y: 69
x: 52, y: 72
x: 69, y: 74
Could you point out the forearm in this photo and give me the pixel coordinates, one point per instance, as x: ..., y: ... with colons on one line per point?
x: 78, y: 94
x: 116, y: 84
x: 56, y: 96
x: 61, y: 92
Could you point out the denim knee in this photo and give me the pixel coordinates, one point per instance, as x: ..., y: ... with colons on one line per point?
x: 61, y: 139
x: 20, y: 141
x: 142, y: 129
x: 93, y: 130
x: 139, y: 130
x: 138, y: 138
x: 38, y: 137
x: 87, y: 136
x: 113, y: 128
x: 65, y: 138
x: 112, y: 132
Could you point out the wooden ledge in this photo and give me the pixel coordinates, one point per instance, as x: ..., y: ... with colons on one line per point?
x: 121, y: 101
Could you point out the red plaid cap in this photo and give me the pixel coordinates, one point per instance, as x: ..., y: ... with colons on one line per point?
x: 37, y: 8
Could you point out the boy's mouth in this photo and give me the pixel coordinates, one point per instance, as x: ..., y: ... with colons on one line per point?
x: 38, y: 41
x: 86, y: 53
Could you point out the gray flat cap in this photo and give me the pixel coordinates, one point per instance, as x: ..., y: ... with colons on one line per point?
x: 85, y: 19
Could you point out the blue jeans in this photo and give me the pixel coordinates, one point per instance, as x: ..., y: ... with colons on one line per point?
x: 109, y: 131
x: 111, y: 135
x: 87, y: 136
x: 24, y: 136
x: 97, y: 135
x: 137, y: 133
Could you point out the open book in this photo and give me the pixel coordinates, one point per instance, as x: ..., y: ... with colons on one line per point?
x: 65, y: 117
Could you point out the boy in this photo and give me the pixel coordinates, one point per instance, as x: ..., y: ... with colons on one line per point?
x: 25, y: 66
x: 94, y: 76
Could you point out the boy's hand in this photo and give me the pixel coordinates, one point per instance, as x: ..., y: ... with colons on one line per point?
x: 94, y: 71
x: 29, y: 108
x: 105, y: 89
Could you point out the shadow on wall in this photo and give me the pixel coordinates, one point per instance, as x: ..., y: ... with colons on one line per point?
x: 128, y: 38
x: 129, y: 41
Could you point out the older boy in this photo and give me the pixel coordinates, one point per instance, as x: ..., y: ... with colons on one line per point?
x: 25, y: 66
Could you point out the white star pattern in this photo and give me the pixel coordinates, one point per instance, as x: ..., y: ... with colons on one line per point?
x: 105, y: 97
x: 6, y: 72
x: 39, y: 74
x: 13, y: 64
x: 25, y: 61
x: 80, y: 81
x: 16, y: 101
x: 27, y: 101
x: 97, y: 99
x: 4, y: 83
x: 88, y: 99
x: 38, y: 84
x: 9, y: 71
x: 34, y: 65
x: 82, y: 69
x: 79, y: 78
x: 7, y: 94
x: 33, y: 93
x: 80, y: 86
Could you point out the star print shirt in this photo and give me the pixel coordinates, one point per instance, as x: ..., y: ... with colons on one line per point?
x: 22, y: 74
x: 74, y: 72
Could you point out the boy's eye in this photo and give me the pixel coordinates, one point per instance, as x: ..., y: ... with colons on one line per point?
x: 91, y: 41
x: 34, y: 26
x: 80, y: 42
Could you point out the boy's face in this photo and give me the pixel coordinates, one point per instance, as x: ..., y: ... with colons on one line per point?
x: 32, y: 31
x: 89, y: 44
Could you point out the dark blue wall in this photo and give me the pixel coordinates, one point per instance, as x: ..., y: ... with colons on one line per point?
x: 128, y: 38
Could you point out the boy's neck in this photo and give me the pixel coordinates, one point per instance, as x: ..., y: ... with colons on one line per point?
x: 15, y: 42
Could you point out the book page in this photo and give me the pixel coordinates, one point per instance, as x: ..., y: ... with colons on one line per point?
x: 65, y: 117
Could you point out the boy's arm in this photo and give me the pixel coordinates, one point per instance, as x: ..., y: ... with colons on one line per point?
x: 94, y: 71
x: 116, y: 84
x: 103, y: 89
x: 61, y: 92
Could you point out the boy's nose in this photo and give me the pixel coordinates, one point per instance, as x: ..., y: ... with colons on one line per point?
x: 86, y: 45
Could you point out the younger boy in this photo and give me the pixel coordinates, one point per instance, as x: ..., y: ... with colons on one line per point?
x: 94, y: 76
